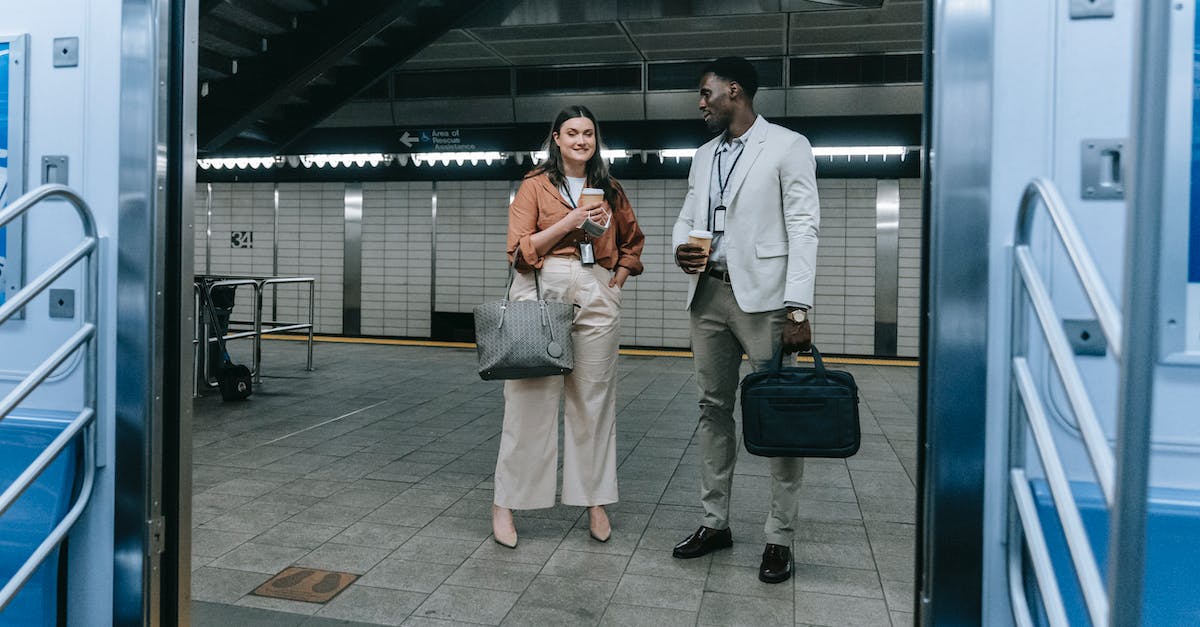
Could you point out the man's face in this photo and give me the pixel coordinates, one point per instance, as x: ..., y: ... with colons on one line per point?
x: 716, y: 104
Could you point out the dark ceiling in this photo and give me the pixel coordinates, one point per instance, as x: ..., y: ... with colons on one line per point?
x: 272, y: 70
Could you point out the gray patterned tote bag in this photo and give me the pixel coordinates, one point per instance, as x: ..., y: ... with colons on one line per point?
x: 522, y: 339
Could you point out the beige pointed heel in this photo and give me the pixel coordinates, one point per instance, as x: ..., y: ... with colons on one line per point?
x: 504, y: 532
x: 598, y: 525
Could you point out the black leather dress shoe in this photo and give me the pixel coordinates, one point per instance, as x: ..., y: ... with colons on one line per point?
x: 703, y: 542
x: 776, y: 564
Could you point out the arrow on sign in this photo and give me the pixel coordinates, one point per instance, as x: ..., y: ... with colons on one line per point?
x: 407, y: 140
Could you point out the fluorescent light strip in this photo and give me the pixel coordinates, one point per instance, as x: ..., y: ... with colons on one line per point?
x: 459, y: 158
x: 677, y: 153
x: 860, y: 151
x: 489, y: 157
x: 866, y: 152
x: 347, y: 159
x: 541, y: 155
x: 239, y: 163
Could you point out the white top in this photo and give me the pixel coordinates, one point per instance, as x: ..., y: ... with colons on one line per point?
x: 573, y: 189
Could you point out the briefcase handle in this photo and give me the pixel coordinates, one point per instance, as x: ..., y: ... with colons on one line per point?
x: 777, y: 362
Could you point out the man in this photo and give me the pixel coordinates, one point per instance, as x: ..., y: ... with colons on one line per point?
x: 754, y: 187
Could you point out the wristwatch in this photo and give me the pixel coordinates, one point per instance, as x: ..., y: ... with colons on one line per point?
x: 797, y: 315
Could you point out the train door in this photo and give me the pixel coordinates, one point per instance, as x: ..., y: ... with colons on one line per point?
x: 1059, y: 448
x: 97, y: 133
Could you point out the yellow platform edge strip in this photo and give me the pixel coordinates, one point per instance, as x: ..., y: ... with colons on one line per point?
x: 640, y: 352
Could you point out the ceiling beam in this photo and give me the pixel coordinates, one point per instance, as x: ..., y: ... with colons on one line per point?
x: 403, y: 41
x: 264, y: 83
x: 214, y: 62
x: 254, y: 14
x: 206, y: 6
x: 218, y: 34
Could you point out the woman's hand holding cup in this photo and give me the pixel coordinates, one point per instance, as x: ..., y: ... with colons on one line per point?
x: 597, y: 212
x: 599, y: 215
x: 577, y: 216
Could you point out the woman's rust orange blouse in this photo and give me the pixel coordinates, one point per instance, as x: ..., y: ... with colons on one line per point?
x: 538, y: 205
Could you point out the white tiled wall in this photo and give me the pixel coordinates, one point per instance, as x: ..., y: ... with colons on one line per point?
x: 909, y: 313
x: 829, y: 308
x: 248, y: 207
x: 311, y: 240
x: 652, y: 312
x: 396, y: 274
x: 471, y: 226
x: 860, y: 267
x: 310, y: 244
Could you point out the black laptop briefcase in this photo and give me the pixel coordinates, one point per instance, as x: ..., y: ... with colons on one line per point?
x: 800, y: 412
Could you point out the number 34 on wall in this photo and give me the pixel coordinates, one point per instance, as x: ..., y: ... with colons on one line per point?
x: 241, y: 239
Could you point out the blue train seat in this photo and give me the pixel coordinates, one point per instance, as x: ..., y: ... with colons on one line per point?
x: 23, y: 436
x: 1172, y: 553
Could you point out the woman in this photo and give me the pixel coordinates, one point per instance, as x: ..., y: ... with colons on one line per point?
x: 545, y: 234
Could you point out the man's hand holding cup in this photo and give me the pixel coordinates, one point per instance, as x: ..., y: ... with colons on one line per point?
x: 692, y: 257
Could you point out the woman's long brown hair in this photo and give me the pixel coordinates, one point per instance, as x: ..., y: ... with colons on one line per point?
x: 596, y: 171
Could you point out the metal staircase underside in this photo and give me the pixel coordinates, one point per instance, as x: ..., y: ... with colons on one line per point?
x: 272, y: 69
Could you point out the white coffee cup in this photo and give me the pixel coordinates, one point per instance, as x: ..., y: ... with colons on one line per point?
x: 588, y: 196
x: 703, y: 239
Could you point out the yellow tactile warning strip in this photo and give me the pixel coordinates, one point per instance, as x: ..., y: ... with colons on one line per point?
x: 305, y: 584
x: 641, y: 352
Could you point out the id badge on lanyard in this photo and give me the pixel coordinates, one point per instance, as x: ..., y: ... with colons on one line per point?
x: 718, y: 225
x: 587, y: 254
x: 718, y: 217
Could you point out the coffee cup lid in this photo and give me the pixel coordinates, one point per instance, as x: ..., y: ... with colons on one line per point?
x: 699, y: 233
x: 591, y: 191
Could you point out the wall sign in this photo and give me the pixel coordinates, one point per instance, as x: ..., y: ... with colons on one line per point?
x: 456, y: 139
x: 12, y: 158
x: 1192, y: 325
x: 241, y: 239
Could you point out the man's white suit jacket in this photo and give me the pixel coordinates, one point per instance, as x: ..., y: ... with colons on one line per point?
x: 771, y: 222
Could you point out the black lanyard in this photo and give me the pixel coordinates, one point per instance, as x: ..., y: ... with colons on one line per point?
x: 586, y: 254
x: 566, y: 193
x: 723, y: 184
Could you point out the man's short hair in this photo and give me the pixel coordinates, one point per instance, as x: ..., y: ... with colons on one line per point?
x: 736, y: 70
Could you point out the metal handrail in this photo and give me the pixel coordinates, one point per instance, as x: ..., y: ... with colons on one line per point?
x: 44, y: 459
x: 1039, y: 554
x: 1095, y: 442
x: 256, y: 332
x: 1027, y: 282
x: 312, y: 300
x: 1081, y: 261
x: 64, y: 526
x: 85, y: 421
x: 1080, y: 549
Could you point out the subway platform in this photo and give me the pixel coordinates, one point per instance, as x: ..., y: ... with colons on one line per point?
x: 378, y: 466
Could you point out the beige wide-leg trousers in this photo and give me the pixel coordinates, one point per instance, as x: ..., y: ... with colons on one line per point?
x: 525, y: 468
x: 721, y: 332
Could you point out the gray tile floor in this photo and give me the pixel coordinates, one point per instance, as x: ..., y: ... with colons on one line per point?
x: 379, y: 463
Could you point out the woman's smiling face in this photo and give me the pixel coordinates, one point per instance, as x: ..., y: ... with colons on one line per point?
x: 576, y: 140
